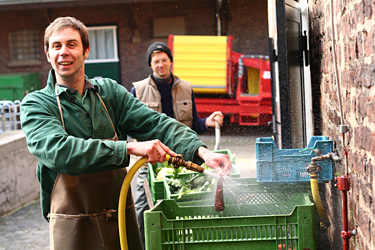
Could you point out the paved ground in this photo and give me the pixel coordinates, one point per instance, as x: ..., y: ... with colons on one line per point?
x: 26, y: 229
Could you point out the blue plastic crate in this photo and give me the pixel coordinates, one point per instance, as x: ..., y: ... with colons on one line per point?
x: 289, y: 165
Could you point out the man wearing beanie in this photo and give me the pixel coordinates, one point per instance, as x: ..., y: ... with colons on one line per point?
x: 166, y: 93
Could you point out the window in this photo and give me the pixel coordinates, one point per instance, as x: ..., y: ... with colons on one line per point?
x: 293, y: 107
x: 24, y: 47
x: 103, y: 44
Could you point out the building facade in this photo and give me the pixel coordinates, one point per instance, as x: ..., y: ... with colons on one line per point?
x: 342, y: 58
x: 132, y: 26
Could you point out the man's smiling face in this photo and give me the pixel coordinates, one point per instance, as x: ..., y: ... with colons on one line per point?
x: 161, y: 64
x: 66, y: 55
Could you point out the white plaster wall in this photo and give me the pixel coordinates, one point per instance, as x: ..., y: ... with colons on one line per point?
x: 18, y: 182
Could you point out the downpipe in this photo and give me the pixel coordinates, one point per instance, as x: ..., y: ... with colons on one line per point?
x: 342, y: 184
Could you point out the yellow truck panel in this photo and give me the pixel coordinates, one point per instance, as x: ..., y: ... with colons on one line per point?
x: 202, y: 61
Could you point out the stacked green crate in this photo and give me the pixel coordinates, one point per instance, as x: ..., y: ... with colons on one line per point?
x: 156, y: 186
x: 17, y: 86
x: 256, y: 216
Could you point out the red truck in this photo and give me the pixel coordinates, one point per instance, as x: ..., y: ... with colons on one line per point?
x: 224, y: 80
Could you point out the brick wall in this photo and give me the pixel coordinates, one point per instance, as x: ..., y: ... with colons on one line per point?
x: 354, y: 26
x: 249, y: 27
x: 245, y: 20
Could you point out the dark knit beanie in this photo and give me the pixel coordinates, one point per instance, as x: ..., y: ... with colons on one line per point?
x: 158, y: 46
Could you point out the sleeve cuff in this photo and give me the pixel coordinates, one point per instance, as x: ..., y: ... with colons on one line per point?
x: 121, y: 153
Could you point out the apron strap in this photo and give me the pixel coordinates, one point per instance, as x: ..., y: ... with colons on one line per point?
x: 115, y: 137
x: 59, y: 105
x: 107, y: 213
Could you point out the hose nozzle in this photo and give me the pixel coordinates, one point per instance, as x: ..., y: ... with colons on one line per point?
x: 178, y: 161
x: 219, y: 198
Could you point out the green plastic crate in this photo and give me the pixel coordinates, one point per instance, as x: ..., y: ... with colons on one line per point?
x: 17, y: 86
x: 273, y: 218
x: 243, y: 186
x: 157, y: 187
x: 232, y: 157
x: 247, y: 191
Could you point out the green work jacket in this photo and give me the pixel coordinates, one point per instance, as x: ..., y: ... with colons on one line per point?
x: 79, y: 149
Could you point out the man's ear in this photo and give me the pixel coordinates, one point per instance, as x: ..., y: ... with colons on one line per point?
x: 86, y: 54
x: 47, y: 54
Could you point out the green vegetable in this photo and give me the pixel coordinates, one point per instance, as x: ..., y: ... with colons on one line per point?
x: 163, y: 172
x: 164, y: 169
x: 183, y: 184
x: 192, y: 183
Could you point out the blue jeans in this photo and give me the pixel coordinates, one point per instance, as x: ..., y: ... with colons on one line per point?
x: 141, y: 200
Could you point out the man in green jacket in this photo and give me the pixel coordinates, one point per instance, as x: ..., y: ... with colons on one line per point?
x: 78, y: 128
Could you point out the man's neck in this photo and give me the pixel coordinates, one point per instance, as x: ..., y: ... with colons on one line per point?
x: 78, y: 84
x: 159, y: 80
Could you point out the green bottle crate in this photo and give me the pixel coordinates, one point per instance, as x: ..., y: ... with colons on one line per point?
x: 259, y: 216
x: 246, y: 188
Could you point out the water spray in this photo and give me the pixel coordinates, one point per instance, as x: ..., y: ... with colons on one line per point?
x: 178, y: 161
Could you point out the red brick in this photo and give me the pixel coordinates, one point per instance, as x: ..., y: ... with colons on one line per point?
x: 364, y: 223
x: 344, y: 25
x: 368, y: 8
x: 358, y: 13
x: 362, y: 101
x: 369, y: 38
x: 366, y: 76
x: 370, y: 108
x: 356, y: 167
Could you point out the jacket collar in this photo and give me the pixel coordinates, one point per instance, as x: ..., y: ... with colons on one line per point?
x: 63, y: 88
x: 175, y: 78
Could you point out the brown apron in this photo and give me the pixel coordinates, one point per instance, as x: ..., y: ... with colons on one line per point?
x: 83, y: 213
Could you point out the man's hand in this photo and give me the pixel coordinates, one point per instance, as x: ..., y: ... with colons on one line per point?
x: 217, y: 161
x: 215, y: 116
x: 155, y: 150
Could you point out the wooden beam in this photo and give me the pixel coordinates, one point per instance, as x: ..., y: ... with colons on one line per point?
x: 42, y: 4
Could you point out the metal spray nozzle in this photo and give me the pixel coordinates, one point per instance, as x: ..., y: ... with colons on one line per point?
x: 178, y: 161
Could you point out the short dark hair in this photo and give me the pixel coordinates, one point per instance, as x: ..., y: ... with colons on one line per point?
x: 61, y: 23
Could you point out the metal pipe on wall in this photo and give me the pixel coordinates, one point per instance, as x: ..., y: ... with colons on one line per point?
x: 342, y: 181
x: 218, y: 19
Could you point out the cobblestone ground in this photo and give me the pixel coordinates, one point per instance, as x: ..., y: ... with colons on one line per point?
x: 26, y: 229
